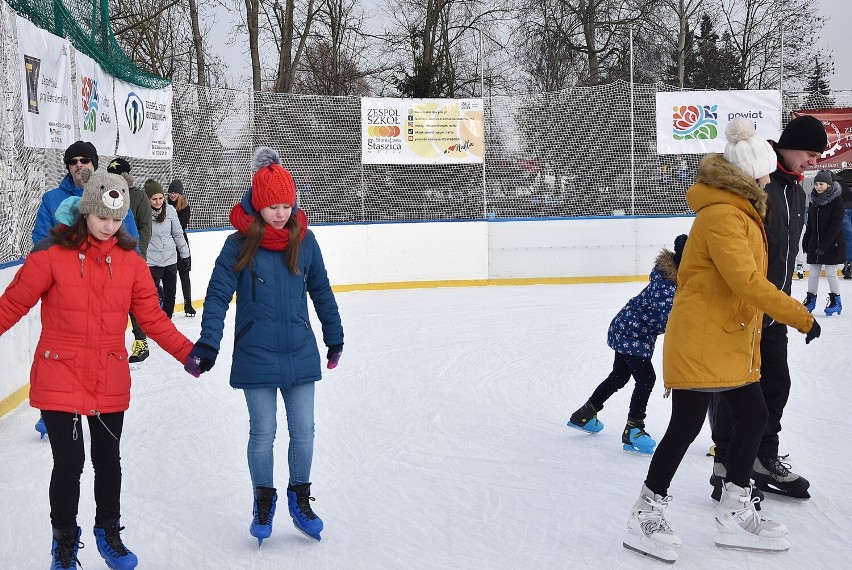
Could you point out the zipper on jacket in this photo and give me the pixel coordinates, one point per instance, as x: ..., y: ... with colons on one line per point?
x: 74, y: 426
x: 82, y: 257
x: 108, y: 260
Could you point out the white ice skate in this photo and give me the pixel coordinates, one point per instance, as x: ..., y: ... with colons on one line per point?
x: 648, y: 533
x: 741, y: 527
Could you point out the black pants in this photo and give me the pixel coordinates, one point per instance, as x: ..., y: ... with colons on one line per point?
x: 688, y: 410
x: 138, y: 333
x: 775, y: 384
x: 168, y: 276
x: 65, y: 431
x: 186, y: 288
x: 622, y: 368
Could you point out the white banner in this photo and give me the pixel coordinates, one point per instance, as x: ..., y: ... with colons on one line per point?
x: 95, y: 105
x: 421, y: 131
x: 693, y: 122
x: 144, y: 121
x: 46, y: 92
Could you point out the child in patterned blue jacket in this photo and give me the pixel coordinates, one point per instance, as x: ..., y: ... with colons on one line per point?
x: 632, y: 335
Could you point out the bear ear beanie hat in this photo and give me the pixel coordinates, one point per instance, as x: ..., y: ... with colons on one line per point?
x: 104, y: 195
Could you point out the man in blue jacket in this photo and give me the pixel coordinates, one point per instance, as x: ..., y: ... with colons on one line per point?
x: 78, y: 157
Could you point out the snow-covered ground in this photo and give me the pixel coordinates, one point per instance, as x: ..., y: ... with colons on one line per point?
x: 441, y: 443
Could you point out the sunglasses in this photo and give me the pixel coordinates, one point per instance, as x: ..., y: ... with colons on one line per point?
x: 74, y: 161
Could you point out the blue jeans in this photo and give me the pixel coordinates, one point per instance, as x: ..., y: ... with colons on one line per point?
x: 847, y: 232
x: 262, y: 407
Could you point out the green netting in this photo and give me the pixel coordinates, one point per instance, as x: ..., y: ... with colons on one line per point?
x: 86, y: 24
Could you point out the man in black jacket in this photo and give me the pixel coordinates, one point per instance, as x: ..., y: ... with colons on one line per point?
x: 800, y: 146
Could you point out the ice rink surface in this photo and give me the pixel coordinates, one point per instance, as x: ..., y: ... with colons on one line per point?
x: 440, y: 444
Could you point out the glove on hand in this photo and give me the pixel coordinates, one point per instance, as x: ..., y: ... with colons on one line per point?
x: 201, y: 359
x: 813, y: 333
x: 819, y: 251
x: 334, y: 352
x: 184, y: 264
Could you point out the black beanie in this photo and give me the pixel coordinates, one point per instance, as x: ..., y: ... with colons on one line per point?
x: 118, y: 166
x: 824, y: 176
x: 679, y: 243
x: 176, y: 186
x: 84, y: 149
x: 804, y: 133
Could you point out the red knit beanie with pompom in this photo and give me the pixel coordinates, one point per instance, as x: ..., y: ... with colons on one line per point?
x: 271, y: 183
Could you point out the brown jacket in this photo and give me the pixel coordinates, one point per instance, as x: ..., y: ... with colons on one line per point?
x: 713, y: 333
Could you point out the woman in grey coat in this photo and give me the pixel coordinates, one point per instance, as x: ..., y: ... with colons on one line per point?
x: 166, y: 245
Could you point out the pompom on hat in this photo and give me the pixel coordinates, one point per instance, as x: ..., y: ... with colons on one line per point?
x: 271, y: 183
x: 746, y: 150
x: 104, y: 195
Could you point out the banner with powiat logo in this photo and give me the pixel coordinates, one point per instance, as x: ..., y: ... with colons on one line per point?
x: 46, y: 90
x: 144, y: 121
x: 95, y: 106
x: 693, y: 122
x: 421, y: 131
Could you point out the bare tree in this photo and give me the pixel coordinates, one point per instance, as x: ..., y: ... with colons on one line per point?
x: 685, y: 13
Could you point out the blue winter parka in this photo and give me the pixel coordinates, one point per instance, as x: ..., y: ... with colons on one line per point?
x: 274, y: 344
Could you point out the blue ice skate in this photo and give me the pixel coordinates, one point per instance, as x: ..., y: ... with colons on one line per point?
x: 112, y: 549
x: 835, y: 305
x: 66, y: 543
x: 299, y: 501
x: 586, y: 419
x: 40, y: 427
x: 263, y: 513
x: 810, y: 302
x: 636, y: 440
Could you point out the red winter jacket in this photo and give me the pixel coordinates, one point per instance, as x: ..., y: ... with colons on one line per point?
x: 80, y: 362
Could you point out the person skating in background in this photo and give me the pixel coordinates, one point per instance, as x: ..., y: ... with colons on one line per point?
x: 800, y: 146
x: 80, y: 365
x: 632, y: 335
x: 846, y: 196
x: 167, y: 244
x: 79, y: 157
x: 712, y: 342
x: 824, y: 242
x: 273, y: 262
x: 141, y: 208
x: 177, y: 199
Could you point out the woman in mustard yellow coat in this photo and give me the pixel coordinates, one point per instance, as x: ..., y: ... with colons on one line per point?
x: 712, y: 344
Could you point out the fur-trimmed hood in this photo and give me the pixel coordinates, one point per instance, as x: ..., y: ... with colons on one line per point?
x: 666, y: 265
x: 715, y: 174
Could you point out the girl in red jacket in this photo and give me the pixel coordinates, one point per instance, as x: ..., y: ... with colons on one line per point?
x: 87, y: 276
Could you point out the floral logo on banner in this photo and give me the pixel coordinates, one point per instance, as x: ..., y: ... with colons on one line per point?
x: 89, y: 93
x: 690, y: 122
x: 134, y: 112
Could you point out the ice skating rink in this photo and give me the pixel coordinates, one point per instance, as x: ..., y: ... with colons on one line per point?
x: 440, y: 444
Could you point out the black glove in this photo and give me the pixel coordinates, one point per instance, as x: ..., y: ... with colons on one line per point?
x: 184, y: 264
x: 203, y: 356
x: 819, y: 251
x: 334, y: 352
x: 813, y: 333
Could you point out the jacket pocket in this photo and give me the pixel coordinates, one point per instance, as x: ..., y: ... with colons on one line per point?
x: 117, y: 381
x: 243, y: 331
x: 54, y: 370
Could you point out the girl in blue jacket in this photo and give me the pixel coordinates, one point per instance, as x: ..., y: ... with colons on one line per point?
x: 272, y: 263
x: 632, y: 335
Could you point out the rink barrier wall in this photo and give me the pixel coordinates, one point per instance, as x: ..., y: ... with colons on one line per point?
x: 382, y: 256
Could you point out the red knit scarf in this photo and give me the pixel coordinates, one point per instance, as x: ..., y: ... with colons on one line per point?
x: 275, y: 240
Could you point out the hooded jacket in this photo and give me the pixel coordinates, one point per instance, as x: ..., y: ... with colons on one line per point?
x: 167, y: 240
x: 714, y: 330
x: 635, y: 328
x: 274, y: 343
x: 824, y: 231
x: 80, y: 364
x: 46, y: 215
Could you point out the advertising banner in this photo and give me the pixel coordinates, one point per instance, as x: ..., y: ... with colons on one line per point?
x: 144, y: 121
x: 838, y: 127
x: 422, y: 131
x: 95, y: 106
x: 693, y: 122
x: 46, y: 90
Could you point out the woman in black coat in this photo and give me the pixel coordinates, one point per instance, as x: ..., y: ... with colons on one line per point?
x: 824, y: 242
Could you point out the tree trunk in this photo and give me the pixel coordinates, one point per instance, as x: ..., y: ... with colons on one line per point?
x: 252, y: 11
x: 198, y: 44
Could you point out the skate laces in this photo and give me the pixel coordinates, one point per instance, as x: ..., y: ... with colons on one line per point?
x: 113, y: 540
x: 748, y: 517
x: 64, y: 551
x: 303, y: 502
x: 778, y: 467
x: 654, y: 520
x: 264, y: 507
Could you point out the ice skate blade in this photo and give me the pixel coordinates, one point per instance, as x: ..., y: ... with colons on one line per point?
x: 771, y: 488
x: 137, y: 365
x: 582, y: 429
x: 649, y: 548
x: 731, y: 541
x: 632, y: 450
x: 314, y: 538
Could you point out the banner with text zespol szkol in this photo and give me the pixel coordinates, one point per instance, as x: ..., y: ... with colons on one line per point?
x: 421, y: 131
x: 144, y: 121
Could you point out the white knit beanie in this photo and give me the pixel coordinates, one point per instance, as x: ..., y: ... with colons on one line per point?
x: 745, y: 149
